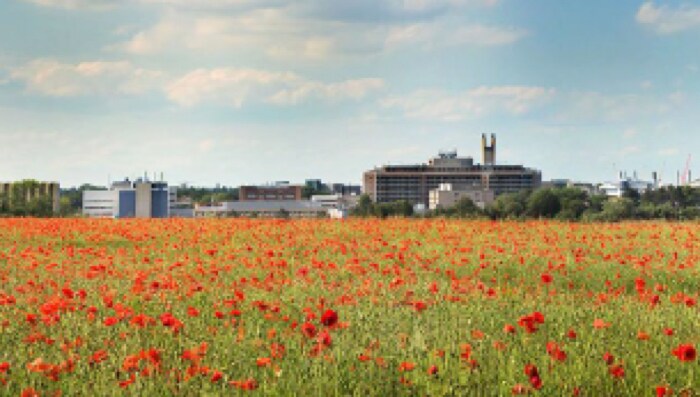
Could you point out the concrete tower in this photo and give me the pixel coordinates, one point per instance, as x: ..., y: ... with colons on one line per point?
x: 488, y: 152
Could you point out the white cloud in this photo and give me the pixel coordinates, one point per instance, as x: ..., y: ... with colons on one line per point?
x: 53, y: 78
x: 630, y: 133
x: 669, y: 152
x: 302, y: 31
x: 436, y: 34
x: 628, y: 150
x: 79, y: 4
x: 481, y: 101
x: 235, y: 87
x: 273, y: 32
x: 599, y: 107
x: 666, y: 20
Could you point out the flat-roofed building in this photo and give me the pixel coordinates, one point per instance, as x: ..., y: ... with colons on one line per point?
x: 413, y: 183
x: 280, y: 192
x: 30, y: 190
x: 447, y: 195
x: 264, y: 209
x: 126, y: 199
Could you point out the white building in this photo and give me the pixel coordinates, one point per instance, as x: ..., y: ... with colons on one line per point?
x: 126, y: 199
x: 618, y: 188
x: 101, y: 203
x: 269, y: 209
x: 448, y: 194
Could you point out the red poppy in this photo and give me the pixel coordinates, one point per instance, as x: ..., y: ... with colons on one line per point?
x: 617, y: 371
x: 608, y: 358
x: 216, y: 376
x: 329, y: 318
x: 406, y: 366
x: 308, y: 329
x: 685, y: 352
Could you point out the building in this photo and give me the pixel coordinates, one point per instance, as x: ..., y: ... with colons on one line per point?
x: 587, y: 187
x: 28, y: 191
x: 315, y: 184
x: 277, y: 192
x: 447, y: 195
x: 625, y: 183
x: 126, y: 199
x: 327, y: 200
x: 414, y: 182
x: 263, y: 209
x: 345, y: 190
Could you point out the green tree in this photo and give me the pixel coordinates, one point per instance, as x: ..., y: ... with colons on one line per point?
x: 465, y: 208
x: 543, y: 203
x: 619, y: 209
x: 364, y: 206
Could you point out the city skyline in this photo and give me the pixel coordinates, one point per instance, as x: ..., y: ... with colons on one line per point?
x: 244, y: 92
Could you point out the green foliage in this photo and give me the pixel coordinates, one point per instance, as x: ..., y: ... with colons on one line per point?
x: 543, y: 203
x: 207, y: 196
x: 23, y: 199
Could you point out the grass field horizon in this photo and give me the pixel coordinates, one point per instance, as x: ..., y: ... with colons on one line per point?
x: 355, y: 307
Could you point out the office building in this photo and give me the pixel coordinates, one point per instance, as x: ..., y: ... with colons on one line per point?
x: 414, y: 182
x: 263, y: 209
x: 126, y: 199
x: 277, y: 192
x: 29, y: 190
x: 447, y: 195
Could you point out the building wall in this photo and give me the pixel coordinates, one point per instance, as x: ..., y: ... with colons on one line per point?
x: 127, y: 203
x: 390, y: 184
x: 448, y: 198
x: 101, y: 203
x: 144, y: 200
x: 159, y: 206
x: 50, y: 190
x: 270, y: 193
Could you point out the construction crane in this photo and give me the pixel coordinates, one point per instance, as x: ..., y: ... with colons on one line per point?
x: 685, y: 178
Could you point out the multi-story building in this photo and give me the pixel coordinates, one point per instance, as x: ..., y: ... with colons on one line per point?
x: 126, y: 199
x: 414, y: 182
x: 345, y: 190
x: 447, y: 195
x: 278, y: 192
x: 30, y: 190
x: 263, y: 209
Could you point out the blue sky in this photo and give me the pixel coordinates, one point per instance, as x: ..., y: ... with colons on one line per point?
x: 252, y: 91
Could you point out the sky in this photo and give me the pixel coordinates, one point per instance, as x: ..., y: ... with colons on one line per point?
x: 256, y: 91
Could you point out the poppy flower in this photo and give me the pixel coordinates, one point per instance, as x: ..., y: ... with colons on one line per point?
x: 617, y: 371
x: 329, y: 318
x: 608, y: 358
x: 406, y: 366
x: 309, y: 330
x: 685, y: 352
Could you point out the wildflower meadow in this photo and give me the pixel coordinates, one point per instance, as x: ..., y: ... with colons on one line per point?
x: 357, y: 307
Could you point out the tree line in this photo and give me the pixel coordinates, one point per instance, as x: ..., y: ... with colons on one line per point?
x: 568, y: 204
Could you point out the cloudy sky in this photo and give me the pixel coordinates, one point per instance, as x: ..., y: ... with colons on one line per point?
x: 251, y: 91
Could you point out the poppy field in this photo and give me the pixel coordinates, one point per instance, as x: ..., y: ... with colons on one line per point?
x: 357, y: 307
